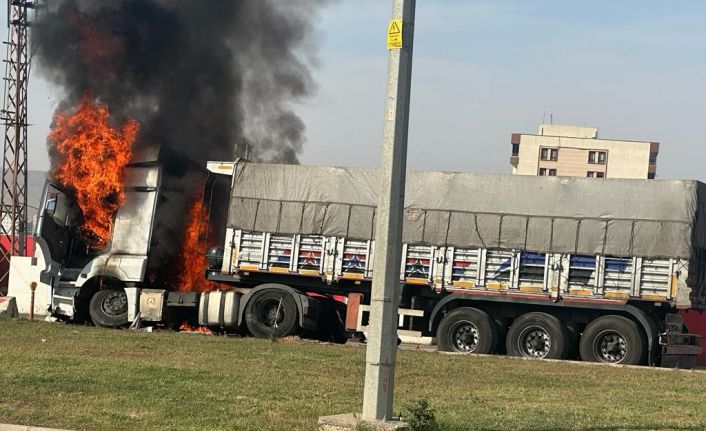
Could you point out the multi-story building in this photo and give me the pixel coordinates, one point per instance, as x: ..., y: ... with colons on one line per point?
x: 576, y: 151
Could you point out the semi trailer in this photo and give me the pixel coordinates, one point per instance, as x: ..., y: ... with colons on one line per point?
x: 528, y: 266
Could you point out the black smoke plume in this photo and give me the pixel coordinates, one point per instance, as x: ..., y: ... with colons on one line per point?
x: 200, y: 76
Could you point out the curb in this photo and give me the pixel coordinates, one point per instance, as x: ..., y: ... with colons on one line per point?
x: 8, y: 307
x: 9, y: 427
x: 698, y: 369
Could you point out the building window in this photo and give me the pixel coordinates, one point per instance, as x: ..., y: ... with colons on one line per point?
x: 549, y: 154
x: 651, y: 176
x: 593, y: 174
x: 597, y: 157
x: 653, y: 158
x: 544, y: 172
x: 515, y: 149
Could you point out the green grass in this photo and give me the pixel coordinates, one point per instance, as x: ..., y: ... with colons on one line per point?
x: 97, y: 379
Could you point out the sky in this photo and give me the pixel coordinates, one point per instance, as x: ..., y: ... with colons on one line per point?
x: 482, y: 70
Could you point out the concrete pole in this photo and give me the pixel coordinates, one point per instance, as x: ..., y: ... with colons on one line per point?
x: 382, y: 334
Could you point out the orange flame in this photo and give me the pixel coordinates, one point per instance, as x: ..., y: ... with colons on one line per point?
x: 193, y: 256
x: 185, y: 327
x: 94, y: 155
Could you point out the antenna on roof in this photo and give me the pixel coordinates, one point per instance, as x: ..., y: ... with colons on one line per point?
x: 551, y: 118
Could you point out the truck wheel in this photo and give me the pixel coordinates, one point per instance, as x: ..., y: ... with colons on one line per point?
x: 271, y: 314
x: 613, y: 340
x: 108, y: 308
x: 467, y: 330
x: 537, y: 335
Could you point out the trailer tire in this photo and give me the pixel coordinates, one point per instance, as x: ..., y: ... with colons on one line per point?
x: 267, y: 307
x: 467, y: 330
x: 539, y: 336
x: 614, y: 340
x: 108, y: 308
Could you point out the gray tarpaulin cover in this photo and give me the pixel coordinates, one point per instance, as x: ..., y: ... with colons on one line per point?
x: 644, y: 218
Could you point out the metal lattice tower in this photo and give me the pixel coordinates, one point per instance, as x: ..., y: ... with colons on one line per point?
x: 13, y: 194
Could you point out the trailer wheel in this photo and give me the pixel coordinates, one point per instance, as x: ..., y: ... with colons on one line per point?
x: 108, y: 308
x: 613, y: 340
x: 537, y: 335
x: 271, y: 313
x: 467, y: 330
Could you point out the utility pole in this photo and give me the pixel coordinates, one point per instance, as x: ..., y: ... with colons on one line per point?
x: 13, y: 190
x: 381, y: 352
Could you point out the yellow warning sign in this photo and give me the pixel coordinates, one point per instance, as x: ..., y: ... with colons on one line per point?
x: 394, y: 34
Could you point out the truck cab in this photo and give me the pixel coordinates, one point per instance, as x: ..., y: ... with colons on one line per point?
x: 87, y: 282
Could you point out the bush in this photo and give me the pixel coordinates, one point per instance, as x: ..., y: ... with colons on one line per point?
x: 420, y: 416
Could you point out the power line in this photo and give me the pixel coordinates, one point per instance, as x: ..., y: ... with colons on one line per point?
x: 13, y: 187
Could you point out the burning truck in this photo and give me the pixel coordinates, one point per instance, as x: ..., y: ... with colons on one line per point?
x: 152, y: 90
x: 528, y: 266
x: 136, y: 224
x: 89, y: 274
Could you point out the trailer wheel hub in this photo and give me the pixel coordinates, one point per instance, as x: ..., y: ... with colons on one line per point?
x: 464, y: 335
x: 610, y: 346
x: 535, y: 342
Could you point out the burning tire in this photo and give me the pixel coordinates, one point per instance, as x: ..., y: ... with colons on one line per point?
x: 108, y: 308
x: 271, y: 314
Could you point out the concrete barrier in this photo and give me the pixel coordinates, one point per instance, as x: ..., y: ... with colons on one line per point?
x: 8, y: 308
x: 353, y: 422
x: 23, y: 272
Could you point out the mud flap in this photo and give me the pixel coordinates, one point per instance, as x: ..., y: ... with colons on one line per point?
x: 678, y: 350
x: 310, y: 310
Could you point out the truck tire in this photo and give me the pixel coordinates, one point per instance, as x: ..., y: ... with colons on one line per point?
x: 613, y: 340
x: 271, y: 313
x: 539, y: 336
x: 108, y: 308
x: 467, y: 330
